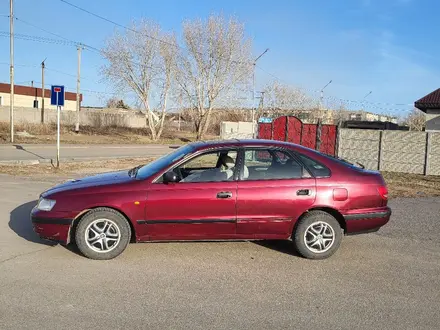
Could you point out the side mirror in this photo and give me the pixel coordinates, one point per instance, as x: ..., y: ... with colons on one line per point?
x: 170, y: 177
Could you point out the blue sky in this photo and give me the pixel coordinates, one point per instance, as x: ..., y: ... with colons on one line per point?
x: 388, y: 47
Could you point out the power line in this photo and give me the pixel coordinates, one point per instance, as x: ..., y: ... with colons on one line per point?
x: 133, y: 30
x: 59, y: 36
x: 38, y: 39
x: 83, y: 91
x: 120, y: 25
x: 44, y: 30
x: 372, y: 105
x: 65, y: 41
x: 23, y: 65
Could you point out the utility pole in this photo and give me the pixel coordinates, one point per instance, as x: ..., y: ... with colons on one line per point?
x: 363, y: 101
x: 253, y: 91
x: 11, y: 37
x: 322, y: 95
x: 78, y: 100
x: 42, y: 91
x: 180, y: 109
x: 262, y: 100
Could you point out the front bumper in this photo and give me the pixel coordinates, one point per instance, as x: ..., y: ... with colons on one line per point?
x: 52, y: 226
x: 369, y: 220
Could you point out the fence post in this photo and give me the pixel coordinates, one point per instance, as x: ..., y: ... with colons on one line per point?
x: 379, y: 155
x: 318, y: 135
x: 338, y: 137
x: 426, y: 169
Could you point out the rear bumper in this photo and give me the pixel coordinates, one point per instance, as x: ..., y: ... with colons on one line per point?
x: 364, y: 221
x: 51, y: 228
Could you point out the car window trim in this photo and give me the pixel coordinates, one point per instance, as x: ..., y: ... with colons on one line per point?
x: 290, y: 152
x: 195, y: 154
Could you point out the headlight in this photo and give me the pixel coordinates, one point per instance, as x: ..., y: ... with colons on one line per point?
x: 45, y: 204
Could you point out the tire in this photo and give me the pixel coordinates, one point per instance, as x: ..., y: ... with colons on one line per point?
x: 313, y: 232
x: 102, y: 234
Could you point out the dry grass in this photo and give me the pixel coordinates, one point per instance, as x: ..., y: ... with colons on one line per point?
x: 46, y: 133
x: 412, y: 185
x: 399, y: 184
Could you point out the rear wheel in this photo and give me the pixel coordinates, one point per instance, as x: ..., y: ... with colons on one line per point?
x: 318, y: 235
x: 102, y: 234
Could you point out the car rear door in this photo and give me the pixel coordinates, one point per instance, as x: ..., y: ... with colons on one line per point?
x: 193, y: 210
x: 273, y: 191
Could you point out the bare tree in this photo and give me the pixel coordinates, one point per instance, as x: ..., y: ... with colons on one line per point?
x: 281, y: 99
x: 116, y: 103
x: 416, y: 120
x: 340, y: 114
x: 143, y: 60
x: 216, y: 61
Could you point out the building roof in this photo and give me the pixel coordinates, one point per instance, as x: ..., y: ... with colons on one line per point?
x: 430, y: 101
x: 34, y: 91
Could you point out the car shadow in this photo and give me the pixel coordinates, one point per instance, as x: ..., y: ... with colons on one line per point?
x: 20, y: 223
x: 284, y: 246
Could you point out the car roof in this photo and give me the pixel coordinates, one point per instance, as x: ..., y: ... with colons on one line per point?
x: 201, y: 145
x: 242, y: 143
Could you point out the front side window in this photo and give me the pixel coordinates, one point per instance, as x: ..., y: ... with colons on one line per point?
x: 268, y: 164
x: 214, y: 166
x: 164, y: 161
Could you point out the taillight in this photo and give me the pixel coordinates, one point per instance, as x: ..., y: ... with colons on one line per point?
x: 383, y: 192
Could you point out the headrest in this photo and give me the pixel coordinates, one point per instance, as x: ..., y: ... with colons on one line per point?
x: 227, y: 161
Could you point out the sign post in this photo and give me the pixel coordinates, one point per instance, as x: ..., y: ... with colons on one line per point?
x: 57, y: 99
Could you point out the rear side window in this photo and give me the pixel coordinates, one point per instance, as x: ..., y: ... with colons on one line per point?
x: 318, y: 170
x: 271, y: 164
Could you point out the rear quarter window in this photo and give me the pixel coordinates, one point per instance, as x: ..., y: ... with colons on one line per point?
x: 317, y: 169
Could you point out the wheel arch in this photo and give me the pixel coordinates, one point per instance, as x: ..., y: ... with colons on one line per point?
x: 332, y: 211
x: 80, y: 215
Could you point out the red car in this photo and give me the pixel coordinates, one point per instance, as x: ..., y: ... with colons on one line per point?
x: 220, y: 190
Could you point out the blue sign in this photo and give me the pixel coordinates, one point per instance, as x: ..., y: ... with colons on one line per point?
x: 57, y: 95
x: 264, y: 120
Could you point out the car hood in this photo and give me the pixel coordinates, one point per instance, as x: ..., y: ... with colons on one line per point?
x: 91, y: 181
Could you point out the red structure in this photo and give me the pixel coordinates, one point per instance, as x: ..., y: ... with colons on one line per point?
x: 292, y: 129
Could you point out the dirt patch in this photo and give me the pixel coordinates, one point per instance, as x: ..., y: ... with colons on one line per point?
x: 411, y: 185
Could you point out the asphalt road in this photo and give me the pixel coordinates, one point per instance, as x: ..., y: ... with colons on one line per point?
x: 388, y: 280
x: 47, y: 152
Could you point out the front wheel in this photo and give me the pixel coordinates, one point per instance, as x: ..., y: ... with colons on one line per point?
x: 318, y: 235
x: 102, y: 234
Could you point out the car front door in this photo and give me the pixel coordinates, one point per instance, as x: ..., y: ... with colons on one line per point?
x: 204, y: 207
x: 274, y: 189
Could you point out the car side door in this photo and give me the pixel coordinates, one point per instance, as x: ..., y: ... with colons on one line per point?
x: 203, y: 208
x: 273, y: 190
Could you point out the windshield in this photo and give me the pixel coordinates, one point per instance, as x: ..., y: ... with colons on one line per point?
x: 164, y: 161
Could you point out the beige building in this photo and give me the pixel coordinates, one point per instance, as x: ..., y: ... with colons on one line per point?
x: 430, y: 105
x: 31, y: 97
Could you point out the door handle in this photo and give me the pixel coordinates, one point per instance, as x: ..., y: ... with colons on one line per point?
x: 224, y: 194
x: 303, y: 192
